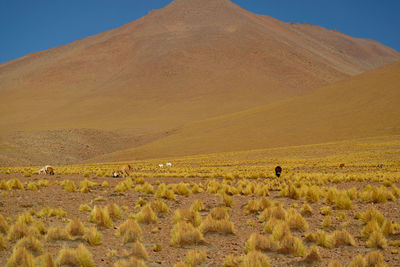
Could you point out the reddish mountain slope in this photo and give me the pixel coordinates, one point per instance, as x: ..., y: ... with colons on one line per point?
x: 362, y: 106
x: 192, y: 60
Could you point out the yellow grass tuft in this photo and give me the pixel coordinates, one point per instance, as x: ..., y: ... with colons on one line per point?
x: 85, y: 258
x: 56, y: 233
x: 306, y: 210
x: 75, y: 228
x: 218, y: 226
x: 312, y: 255
x: 296, y: 221
x: 374, y: 258
x: 192, y: 217
x: 129, y: 263
x: 45, y: 260
x: 292, y: 245
x: 101, y: 217
x: 185, y: 234
x: 358, y: 261
x: 252, y: 206
x: 3, y: 225
x: 85, y: 207
x: 197, y: 205
x: 146, y: 215
x: 2, y: 242
x: 30, y: 243
x: 342, y: 238
x: 114, y: 210
x: 93, y: 236
x: 335, y: 263
x: 164, y: 192
x: 129, y: 231
x: 139, y: 251
x: 20, y: 257
x: 280, y: 230
x: 195, y: 257
x: 261, y: 242
x: 219, y: 213
x: 376, y: 240
x: 20, y: 230
x: 159, y: 207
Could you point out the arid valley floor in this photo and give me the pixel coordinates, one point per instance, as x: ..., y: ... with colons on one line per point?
x: 338, y: 213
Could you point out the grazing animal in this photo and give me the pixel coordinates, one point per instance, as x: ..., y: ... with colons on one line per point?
x: 380, y: 166
x: 168, y: 164
x: 278, y: 171
x: 46, y: 170
x: 341, y: 165
x: 161, y: 165
x: 121, y: 170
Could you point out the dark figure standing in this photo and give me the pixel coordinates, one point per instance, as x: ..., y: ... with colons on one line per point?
x: 278, y: 171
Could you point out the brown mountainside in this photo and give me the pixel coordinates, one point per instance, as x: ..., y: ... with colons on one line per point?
x: 366, y: 105
x: 190, y: 61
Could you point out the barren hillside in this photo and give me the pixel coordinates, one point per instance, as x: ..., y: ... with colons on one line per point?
x: 362, y: 106
x: 190, y: 61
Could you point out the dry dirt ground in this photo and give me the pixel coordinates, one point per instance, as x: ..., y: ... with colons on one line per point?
x: 217, y: 246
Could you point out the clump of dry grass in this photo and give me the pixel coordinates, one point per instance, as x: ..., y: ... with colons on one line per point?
x: 223, y: 226
x: 30, y: 243
x: 376, y: 240
x: 146, y: 215
x: 292, y: 245
x: 20, y: 257
x: 219, y: 213
x: 323, y: 239
x: 192, y: 217
x: 114, y: 210
x: 327, y: 222
x: 129, y: 231
x: 280, y: 230
x: 75, y: 228
x: 164, y: 192
x: 295, y: 221
x: 374, y: 258
x: 85, y: 207
x: 20, y: 229
x: 80, y: 256
x: 101, y: 217
x: 132, y: 261
x: 93, y: 236
x: 369, y: 215
x: 195, y: 257
x: 2, y: 242
x: 312, y: 255
x: 139, y: 251
x: 45, y: 260
x: 185, y: 234
x: 159, y: 207
x: 252, y: 206
x: 3, y: 225
x: 261, y: 242
x: 57, y: 233
x: 370, y: 227
x: 342, y: 238
x: 197, y: 205
x: 306, y: 210
x: 335, y: 263
x: 358, y: 261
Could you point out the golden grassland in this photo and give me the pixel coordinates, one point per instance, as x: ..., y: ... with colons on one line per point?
x: 229, y: 203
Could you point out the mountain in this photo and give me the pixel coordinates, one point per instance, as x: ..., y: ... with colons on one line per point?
x: 365, y: 105
x: 190, y: 61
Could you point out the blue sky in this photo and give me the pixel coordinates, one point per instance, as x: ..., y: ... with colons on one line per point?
x: 28, y: 26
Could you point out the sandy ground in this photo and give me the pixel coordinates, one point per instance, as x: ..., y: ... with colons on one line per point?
x: 217, y: 246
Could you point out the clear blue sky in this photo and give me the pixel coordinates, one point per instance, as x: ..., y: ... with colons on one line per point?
x: 33, y: 25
